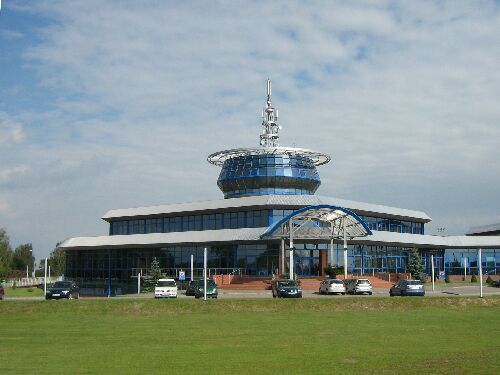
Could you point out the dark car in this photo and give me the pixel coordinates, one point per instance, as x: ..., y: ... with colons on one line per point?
x: 191, y: 288
x: 211, y: 289
x: 407, y: 288
x: 286, y: 289
x: 63, y: 289
x: 496, y: 283
x: 2, y: 292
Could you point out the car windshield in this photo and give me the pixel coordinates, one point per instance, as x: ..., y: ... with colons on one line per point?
x: 61, y: 284
x: 363, y: 281
x: 414, y: 282
x: 336, y: 282
x: 210, y: 283
x: 287, y: 283
x: 166, y: 283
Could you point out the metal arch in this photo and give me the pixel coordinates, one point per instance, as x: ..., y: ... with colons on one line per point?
x: 324, y: 213
x: 218, y: 158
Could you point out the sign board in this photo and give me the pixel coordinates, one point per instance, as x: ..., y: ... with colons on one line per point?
x: 442, y: 275
x: 182, y: 275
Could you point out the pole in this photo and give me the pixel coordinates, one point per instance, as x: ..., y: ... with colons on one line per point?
x: 465, y: 269
x: 45, y: 279
x: 27, y: 272
x: 345, y: 249
x: 291, y: 250
x: 192, y: 266
x: 480, y: 273
x: 139, y: 283
x: 432, y: 272
x: 109, y: 273
x: 205, y: 274
x: 49, y: 274
x: 283, y: 255
x: 332, y: 263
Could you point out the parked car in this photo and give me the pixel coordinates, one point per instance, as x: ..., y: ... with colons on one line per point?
x: 191, y: 288
x: 496, y: 283
x: 63, y: 289
x: 286, y: 288
x: 407, y: 288
x: 211, y: 289
x: 166, y: 288
x: 358, y: 286
x: 331, y: 286
x: 2, y: 292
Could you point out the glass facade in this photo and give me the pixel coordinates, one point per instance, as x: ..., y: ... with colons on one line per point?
x: 239, y: 219
x: 268, y: 174
x: 186, y: 223
x: 455, y: 260
x: 97, y: 270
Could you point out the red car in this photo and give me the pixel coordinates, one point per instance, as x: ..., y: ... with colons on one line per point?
x: 2, y: 292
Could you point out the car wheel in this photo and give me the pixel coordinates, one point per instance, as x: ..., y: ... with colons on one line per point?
x: 370, y: 293
x: 343, y: 293
x: 390, y: 294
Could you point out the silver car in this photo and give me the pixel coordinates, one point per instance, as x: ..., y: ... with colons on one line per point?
x: 331, y: 286
x: 358, y: 286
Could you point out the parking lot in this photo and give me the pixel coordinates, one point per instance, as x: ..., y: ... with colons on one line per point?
x: 440, y: 291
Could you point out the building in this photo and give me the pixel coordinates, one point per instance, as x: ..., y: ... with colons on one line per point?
x: 264, y: 186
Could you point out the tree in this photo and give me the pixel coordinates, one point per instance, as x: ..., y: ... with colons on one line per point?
x: 5, y: 254
x: 23, y: 256
x: 57, y: 261
x: 415, y: 265
x: 155, y: 271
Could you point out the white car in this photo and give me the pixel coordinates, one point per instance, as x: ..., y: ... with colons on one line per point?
x: 358, y: 286
x: 166, y: 288
x: 331, y: 286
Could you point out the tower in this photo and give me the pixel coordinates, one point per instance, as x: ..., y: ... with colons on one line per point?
x: 269, y: 169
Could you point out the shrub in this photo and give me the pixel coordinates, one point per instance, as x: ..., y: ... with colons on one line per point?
x: 463, y: 278
x: 489, y: 280
x: 333, y: 271
x: 30, y: 289
x: 473, y: 279
x: 447, y: 279
x: 14, y: 285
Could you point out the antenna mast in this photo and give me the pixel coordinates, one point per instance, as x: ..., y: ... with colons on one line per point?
x: 270, y: 128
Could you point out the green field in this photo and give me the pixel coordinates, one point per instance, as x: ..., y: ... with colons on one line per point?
x: 23, y: 292
x: 310, y: 336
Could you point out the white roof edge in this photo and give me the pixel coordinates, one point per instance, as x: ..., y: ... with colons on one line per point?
x: 484, y: 229
x: 262, y: 200
x: 253, y: 234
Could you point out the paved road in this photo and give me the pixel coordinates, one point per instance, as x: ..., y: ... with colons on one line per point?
x: 441, y: 291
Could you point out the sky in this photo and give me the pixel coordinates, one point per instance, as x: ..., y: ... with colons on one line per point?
x: 117, y: 104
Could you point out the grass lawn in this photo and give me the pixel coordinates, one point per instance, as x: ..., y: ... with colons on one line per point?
x: 23, y: 292
x: 310, y: 336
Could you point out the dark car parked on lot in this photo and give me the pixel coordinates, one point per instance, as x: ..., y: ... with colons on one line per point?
x: 63, y: 289
x: 2, y: 292
x: 496, y: 283
x: 286, y: 288
x: 191, y: 288
x: 211, y: 289
x: 407, y: 288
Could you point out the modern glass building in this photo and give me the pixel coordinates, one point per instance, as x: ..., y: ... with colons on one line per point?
x: 261, y: 186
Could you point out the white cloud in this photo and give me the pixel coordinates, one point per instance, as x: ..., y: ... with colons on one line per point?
x: 403, y: 95
x: 11, y: 131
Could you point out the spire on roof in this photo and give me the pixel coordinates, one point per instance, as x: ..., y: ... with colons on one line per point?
x: 270, y: 128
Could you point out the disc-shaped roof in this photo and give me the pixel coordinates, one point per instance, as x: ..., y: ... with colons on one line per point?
x: 218, y: 158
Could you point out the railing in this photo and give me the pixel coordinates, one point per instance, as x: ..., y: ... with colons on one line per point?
x: 197, y: 272
x: 31, y: 281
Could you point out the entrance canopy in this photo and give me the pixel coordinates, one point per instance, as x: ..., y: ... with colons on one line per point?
x: 319, y: 222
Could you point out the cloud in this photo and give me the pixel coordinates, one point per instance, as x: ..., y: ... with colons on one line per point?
x: 11, y: 131
x: 403, y: 95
